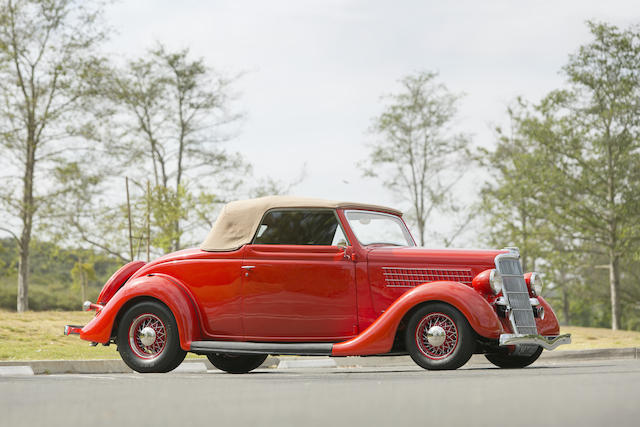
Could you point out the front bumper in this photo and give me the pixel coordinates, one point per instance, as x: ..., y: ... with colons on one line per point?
x: 72, y: 329
x: 547, y: 342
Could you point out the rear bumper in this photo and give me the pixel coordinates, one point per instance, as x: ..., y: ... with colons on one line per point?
x: 547, y: 342
x: 72, y: 329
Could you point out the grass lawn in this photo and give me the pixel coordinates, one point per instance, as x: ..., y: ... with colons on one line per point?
x: 39, y: 336
x: 587, y: 338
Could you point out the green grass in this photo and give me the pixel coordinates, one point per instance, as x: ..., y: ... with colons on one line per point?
x: 39, y: 336
x: 591, y: 338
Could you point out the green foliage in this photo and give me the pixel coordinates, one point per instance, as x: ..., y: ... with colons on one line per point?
x: 169, y: 208
x: 170, y: 115
x: 54, y: 275
x: 48, y: 78
x: 567, y: 180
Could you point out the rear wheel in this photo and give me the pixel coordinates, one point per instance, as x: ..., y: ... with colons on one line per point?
x: 513, y: 362
x: 236, y: 363
x: 439, y: 337
x: 148, y: 338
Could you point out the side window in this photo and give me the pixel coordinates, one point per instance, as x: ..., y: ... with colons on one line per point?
x: 299, y: 227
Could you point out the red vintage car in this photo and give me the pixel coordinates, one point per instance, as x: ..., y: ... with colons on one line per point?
x: 283, y: 275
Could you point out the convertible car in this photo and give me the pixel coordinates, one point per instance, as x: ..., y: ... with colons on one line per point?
x: 284, y: 275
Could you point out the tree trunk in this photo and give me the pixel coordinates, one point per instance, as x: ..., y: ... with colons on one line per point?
x: 421, y: 228
x: 27, y: 224
x: 614, y: 284
x: 23, y: 281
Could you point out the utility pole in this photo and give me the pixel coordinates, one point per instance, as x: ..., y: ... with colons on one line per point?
x: 126, y: 180
x: 148, y: 220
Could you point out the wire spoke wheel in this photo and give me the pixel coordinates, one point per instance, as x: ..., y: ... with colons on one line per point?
x: 430, y: 339
x: 147, y: 336
x: 148, y: 339
x: 438, y: 337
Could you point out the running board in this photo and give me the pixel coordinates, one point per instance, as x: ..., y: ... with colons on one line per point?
x: 239, y: 347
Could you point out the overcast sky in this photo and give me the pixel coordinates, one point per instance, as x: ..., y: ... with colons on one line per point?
x: 316, y: 69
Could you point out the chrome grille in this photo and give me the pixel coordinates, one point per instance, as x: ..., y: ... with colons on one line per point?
x: 410, y: 277
x: 517, y: 294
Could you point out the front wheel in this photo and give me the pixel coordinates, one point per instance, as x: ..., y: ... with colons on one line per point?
x: 508, y: 361
x: 439, y: 337
x: 236, y: 363
x: 148, y: 338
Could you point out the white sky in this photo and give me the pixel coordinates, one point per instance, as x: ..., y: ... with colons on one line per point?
x: 317, y: 69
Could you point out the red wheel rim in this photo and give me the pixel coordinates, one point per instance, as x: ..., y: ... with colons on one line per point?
x: 141, y: 326
x: 437, y: 352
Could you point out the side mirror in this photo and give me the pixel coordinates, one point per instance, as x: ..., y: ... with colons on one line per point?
x: 347, y: 251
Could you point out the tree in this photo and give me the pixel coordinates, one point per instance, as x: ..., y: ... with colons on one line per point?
x: 169, y: 118
x: 180, y: 108
x: 594, y: 127
x: 82, y: 273
x: 46, y: 73
x: 417, y: 154
x: 579, y: 173
x: 516, y: 216
x: 510, y: 199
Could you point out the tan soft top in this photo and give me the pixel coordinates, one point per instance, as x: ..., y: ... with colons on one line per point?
x: 238, y: 221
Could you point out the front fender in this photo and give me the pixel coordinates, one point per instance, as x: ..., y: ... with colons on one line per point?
x: 549, y: 326
x: 158, y: 286
x: 378, y: 338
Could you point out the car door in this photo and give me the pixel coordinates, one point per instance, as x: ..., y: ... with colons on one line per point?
x: 298, y: 280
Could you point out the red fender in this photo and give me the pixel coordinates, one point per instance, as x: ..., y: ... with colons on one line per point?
x: 548, y: 326
x: 116, y: 281
x: 378, y: 338
x: 159, y: 286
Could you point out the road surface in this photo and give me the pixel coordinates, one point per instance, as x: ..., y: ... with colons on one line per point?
x: 594, y: 393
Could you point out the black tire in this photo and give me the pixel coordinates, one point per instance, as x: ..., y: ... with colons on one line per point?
x: 512, y: 362
x: 164, y: 353
x: 459, y: 339
x: 236, y: 363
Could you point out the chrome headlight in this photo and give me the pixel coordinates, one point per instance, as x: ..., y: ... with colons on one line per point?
x: 495, y: 280
x: 535, y: 282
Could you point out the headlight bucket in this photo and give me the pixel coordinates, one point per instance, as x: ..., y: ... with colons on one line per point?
x: 482, y: 283
x: 488, y: 283
x: 495, y: 281
x: 534, y: 283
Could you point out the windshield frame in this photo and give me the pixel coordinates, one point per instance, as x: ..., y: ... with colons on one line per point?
x: 405, y: 229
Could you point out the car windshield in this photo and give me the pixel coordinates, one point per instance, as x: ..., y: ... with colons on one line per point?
x: 379, y: 228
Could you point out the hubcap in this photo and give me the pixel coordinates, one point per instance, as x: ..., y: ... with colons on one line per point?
x: 147, y: 336
x: 437, y: 336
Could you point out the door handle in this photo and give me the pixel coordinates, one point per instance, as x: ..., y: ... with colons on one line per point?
x: 247, y: 269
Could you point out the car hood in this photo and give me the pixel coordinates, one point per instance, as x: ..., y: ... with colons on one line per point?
x: 450, y: 257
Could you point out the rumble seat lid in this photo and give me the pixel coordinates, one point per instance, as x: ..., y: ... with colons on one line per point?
x: 239, y: 220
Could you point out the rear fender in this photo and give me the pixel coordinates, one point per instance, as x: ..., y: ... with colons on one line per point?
x: 378, y: 338
x: 161, y: 287
x: 118, y: 279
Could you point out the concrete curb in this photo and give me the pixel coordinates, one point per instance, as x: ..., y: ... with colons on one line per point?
x: 117, y: 366
x: 110, y: 366
x: 15, y: 371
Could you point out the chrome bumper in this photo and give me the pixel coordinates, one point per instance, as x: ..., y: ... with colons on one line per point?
x: 72, y: 329
x: 548, y: 343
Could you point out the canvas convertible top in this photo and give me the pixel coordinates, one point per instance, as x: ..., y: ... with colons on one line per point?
x: 238, y: 221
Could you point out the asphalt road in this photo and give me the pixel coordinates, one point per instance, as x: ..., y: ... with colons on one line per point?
x: 596, y: 393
